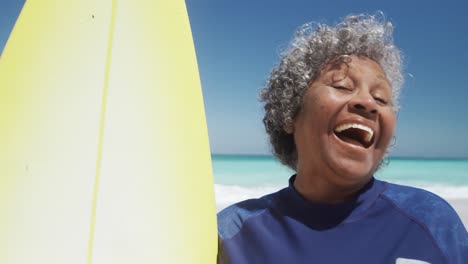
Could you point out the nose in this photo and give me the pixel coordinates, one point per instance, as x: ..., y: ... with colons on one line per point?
x: 363, y: 102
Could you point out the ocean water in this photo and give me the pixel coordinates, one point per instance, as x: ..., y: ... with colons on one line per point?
x: 240, y: 177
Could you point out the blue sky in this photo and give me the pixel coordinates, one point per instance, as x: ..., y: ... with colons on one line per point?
x: 238, y: 42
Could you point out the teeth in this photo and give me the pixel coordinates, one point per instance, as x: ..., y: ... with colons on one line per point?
x: 369, y: 131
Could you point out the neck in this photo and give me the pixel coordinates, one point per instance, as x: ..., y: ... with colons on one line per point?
x: 320, y: 189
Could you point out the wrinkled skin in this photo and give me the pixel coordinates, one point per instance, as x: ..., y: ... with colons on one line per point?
x: 330, y: 170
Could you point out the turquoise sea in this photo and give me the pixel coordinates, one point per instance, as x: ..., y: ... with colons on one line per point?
x: 240, y: 177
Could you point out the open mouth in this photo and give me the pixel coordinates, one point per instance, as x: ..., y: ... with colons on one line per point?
x: 355, y: 134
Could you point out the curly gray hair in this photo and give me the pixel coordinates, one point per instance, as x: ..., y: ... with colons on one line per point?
x: 313, y: 46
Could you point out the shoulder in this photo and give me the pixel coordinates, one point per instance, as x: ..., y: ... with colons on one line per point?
x: 420, y: 204
x: 232, y: 218
x: 435, y: 215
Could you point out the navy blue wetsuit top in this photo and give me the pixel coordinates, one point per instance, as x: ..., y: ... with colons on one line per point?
x: 386, y: 223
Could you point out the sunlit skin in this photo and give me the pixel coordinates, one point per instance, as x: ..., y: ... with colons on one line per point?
x: 330, y: 170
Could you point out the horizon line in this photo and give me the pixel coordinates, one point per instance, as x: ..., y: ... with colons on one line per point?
x: 390, y: 157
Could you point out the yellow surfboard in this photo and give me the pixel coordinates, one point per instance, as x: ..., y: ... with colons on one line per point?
x: 104, y: 154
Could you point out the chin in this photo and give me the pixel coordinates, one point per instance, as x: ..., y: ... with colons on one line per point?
x: 349, y: 163
x: 350, y: 172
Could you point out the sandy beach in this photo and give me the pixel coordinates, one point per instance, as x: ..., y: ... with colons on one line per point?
x: 461, y: 206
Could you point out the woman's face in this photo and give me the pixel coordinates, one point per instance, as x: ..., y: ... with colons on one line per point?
x: 346, y: 122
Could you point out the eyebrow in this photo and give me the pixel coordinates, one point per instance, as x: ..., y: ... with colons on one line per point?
x: 335, y: 68
x: 380, y: 76
x: 383, y: 78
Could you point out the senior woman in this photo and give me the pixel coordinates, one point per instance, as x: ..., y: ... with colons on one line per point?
x: 330, y: 114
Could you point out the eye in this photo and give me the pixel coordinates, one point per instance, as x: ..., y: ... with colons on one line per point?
x: 343, y: 88
x: 381, y: 100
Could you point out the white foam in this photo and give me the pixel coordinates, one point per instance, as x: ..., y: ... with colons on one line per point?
x: 447, y: 192
x: 230, y: 194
